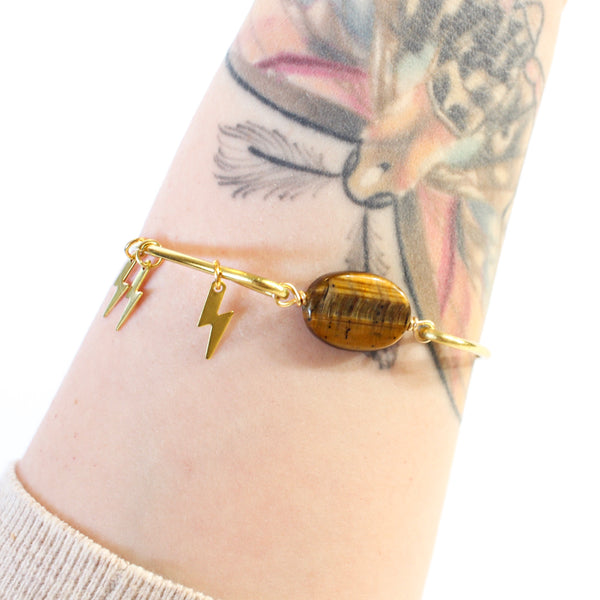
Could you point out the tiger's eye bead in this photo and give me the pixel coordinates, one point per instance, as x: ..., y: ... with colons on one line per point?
x: 356, y: 311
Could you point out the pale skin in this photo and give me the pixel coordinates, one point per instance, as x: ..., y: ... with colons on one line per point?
x: 282, y: 467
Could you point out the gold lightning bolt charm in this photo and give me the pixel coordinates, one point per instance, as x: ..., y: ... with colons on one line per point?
x: 121, y: 285
x: 133, y: 295
x: 136, y: 251
x: 210, y: 316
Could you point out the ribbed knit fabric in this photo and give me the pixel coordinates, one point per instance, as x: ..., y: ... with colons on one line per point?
x: 44, y: 558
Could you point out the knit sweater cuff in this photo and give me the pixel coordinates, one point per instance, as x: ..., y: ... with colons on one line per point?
x: 44, y: 557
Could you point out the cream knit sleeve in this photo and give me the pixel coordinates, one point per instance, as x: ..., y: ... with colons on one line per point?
x: 44, y: 558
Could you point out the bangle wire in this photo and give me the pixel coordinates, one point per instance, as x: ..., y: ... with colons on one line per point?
x: 285, y: 294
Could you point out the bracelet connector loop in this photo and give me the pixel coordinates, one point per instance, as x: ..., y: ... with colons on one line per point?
x: 295, y: 297
x: 425, y: 332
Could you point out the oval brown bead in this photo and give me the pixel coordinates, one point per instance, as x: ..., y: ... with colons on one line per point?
x: 356, y: 311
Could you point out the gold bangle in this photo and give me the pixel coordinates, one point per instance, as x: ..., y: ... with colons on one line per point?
x: 349, y: 310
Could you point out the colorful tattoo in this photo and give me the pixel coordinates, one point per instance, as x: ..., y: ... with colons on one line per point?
x: 436, y: 99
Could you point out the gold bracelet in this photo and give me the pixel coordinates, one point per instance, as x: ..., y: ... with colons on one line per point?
x: 349, y: 310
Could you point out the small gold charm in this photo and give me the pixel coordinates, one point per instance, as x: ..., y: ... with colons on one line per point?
x: 210, y: 316
x: 133, y: 295
x: 132, y: 291
x: 121, y: 285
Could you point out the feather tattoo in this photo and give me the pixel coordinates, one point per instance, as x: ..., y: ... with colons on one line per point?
x: 252, y: 158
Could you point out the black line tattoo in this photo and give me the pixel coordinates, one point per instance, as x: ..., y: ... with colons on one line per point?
x: 461, y: 72
x: 252, y: 159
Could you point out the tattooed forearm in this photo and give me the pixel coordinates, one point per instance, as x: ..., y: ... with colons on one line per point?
x: 437, y: 97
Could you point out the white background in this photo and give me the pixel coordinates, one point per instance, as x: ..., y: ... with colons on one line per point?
x: 94, y: 99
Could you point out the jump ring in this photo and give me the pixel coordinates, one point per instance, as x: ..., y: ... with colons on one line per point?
x: 146, y: 264
x: 217, y: 284
x: 130, y: 245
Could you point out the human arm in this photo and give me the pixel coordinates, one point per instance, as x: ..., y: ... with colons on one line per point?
x: 361, y: 456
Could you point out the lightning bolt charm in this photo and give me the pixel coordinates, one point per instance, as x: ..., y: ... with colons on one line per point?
x: 121, y: 285
x: 133, y: 294
x: 210, y: 316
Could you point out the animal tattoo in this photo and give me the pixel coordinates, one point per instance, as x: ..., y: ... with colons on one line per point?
x: 435, y: 99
